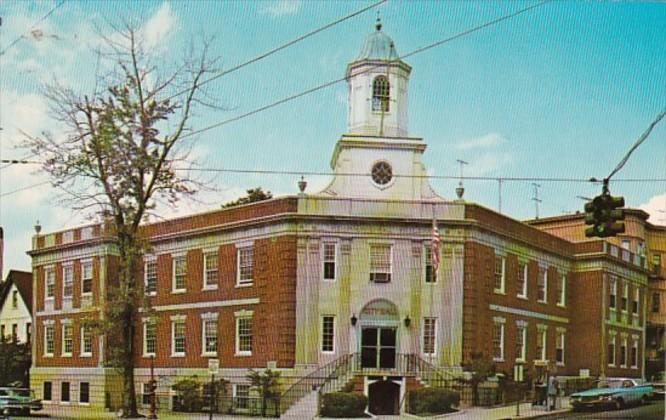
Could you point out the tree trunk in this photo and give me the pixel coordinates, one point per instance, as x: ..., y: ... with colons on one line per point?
x: 129, y: 394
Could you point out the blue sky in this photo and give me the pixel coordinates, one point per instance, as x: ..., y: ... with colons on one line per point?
x: 560, y: 91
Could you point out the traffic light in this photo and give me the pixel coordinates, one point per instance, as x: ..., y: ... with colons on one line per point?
x: 604, y: 212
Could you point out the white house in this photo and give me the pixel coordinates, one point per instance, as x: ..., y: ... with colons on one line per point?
x: 16, y: 306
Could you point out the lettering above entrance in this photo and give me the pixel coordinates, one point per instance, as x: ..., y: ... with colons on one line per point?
x: 380, y: 310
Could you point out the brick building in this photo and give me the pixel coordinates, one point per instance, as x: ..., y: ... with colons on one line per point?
x: 344, y: 278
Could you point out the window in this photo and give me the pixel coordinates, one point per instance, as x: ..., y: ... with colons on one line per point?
x: 626, y: 244
x: 244, y: 335
x: 241, y: 394
x: 429, y: 273
x: 429, y: 336
x: 635, y: 303
x: 86, y: 341
x: 500, y: 273
x: 559, y: 348
x: 562, y: 290
x: 149, y: 338
x: 611, y: 351
x: 48, y: 391
x: 623, y: 353
x: 656, y: 260
x: 15, y: 299
x: 329, y: 261
x: 655, y: 303
x: 381, y: 91
x: 210, y: 270
x: 64, y: 391
x: 14, y: 332
x: 498, y: 340
x: 210, y: 336
x: 49, y: 279
x: 178, y: 336
x: 28, y: 332
x: 86, y: 277
x: 634, y: 354
x: 625, y: 297
x: 522, y: 280
x: 145, y: 393
x: 84, y: 392
x: 67, y: 281
x: 542, y: 285
x: 541, y: 342
x: 328, y: 334
x: 179, y: 273
x: 613, y: 293
x: 49, y: 340
x: 380, y: 263
x: 521, y: 341
x: 245, y: 266
x: 67, y: 341
x: 150, y: 277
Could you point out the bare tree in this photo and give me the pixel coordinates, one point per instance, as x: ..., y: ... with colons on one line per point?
x: 119, y: 158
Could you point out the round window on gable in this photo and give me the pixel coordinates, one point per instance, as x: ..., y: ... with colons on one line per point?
x: 382, y: 173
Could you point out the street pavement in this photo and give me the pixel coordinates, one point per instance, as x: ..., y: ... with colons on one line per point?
x: 652, y: 411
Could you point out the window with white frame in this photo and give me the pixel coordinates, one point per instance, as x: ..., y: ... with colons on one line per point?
x: 86, y: 341
x: 47, y: 391
x: 179, y: 273
x: 542, y: 285
x: 67, y: 281
x: 64, y: 392
x: 521, y: 341
x: 634, y: 354
x: 244, y: 333
x: 67, y: 341
x: 67, y: 236
x: 623, y: 352
x: 626, y: 244
x: 149, y: 337
x: 49, y: 280
x: 429, y: 335
x: 49, y: 339
x: 211, y: 269
x: 328, y: 260
x: 241, y: 395
x: 559, y: 347
x: 15, y: 299
x: 613, y: 293
x: 430, y: 276
x: 635, y: 304
x: 562, y: 290
x: 328, y: 334
x: 150, y: 276
x: 84, y: 392
x: 500, y: 273
x: 380, y: 263
x: 541, y: 342
x: 209, y: 328
x: 611, y: 350
x: 178, y: 336
x: 625, y: 297
x: 245, y: 269
x: 522, y: 280
x: 86, y: 277
x: 498, y: 339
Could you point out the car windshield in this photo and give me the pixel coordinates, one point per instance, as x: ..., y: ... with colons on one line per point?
x: 609, y: 384
x: 22, y: 392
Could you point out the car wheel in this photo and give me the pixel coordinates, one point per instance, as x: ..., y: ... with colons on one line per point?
x: 619, y: 404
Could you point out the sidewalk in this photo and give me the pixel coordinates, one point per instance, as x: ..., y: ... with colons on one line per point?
x: 527, y: 411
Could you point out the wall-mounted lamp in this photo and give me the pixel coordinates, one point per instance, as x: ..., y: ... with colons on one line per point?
x: 408, y: 321
x: 353, y: 320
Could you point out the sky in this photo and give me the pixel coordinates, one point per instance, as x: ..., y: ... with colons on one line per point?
x: 561, y: 91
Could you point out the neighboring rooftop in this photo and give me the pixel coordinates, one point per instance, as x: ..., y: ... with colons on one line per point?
x: 23, y: 282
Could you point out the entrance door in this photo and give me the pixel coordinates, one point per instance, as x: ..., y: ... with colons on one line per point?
x: 378, y: 346
x: 384, y: 397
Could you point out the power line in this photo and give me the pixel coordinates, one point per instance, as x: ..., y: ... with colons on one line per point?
x: 333, y: 82
x: 32, y: 27
x: 28, y: 187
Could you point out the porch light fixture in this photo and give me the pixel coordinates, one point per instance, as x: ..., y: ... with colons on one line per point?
x: 408, y: 321
x: 353, y: 319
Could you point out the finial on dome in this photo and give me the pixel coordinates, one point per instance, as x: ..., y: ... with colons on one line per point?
x: 378, y: 25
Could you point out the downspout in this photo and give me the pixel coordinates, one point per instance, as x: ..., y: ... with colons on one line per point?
x: 604, y: 351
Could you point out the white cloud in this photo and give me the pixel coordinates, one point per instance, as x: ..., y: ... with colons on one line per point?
x: 159, y: 27
x: 281, y: 8
x: 656, y: 208
x: 487, y: 163
x: 487, y: 141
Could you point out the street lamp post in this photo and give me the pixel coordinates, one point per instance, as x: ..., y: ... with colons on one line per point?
x: 153, y: 386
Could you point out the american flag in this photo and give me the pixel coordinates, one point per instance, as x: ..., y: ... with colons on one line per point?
x: 435, y: 248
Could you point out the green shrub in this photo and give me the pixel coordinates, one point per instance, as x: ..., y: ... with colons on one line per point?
x: 189, y: 394
x: 432, y: 401
x: 343, y: 404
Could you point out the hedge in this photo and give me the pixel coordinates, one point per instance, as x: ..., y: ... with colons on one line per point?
x: 343, y: 404
x: 432, y: 401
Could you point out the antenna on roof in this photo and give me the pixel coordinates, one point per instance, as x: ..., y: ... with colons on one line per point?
x: 536, y: 198
x: 378, y: 25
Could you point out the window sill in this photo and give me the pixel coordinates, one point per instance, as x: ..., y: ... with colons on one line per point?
x: 148, y: 355
x: 66, y: 355
x: 209, y: 287
x: 520, y: 360
x: 544, y: 302
x: 209, y: 354
x: 84, y: 404
x: 523, y: 297
x: 243, y: 354
x: 611, y: 365
x: 50, y: 355
x: 561, y: 305
x: 153, y: 294
x: 86, y: 355
x: 328, y: 352
x: 238, y: 285
x: 634, y: 367
x: 179, y: 355
x: 328, y: 280
x: 495, y: 359
x: 178, y: 291
x: 499, y: 292
x: 86, y: 294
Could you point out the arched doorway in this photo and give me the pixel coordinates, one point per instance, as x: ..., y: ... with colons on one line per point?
x: 384, y: 397
x: 379, y: 335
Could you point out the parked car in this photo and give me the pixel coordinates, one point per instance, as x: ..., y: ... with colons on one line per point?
x: 659, y: 385
x: 612, y: 393
x: 18, y: 401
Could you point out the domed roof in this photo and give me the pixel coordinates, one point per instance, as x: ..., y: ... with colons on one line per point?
x: 378, y: 46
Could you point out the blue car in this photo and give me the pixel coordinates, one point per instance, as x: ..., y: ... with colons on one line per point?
x: 612, y: 393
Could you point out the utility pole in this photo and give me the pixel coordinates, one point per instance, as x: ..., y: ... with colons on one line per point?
x: 153, y: 387
x: 536, y: 198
